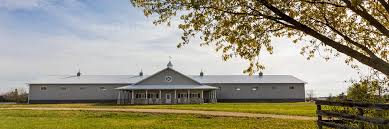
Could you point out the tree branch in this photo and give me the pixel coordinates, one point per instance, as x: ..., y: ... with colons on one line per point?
x: 385, y: 4
x: 375, y: 63
x: 348, y: 39
x: 322, y: 2
x: 374, y: 22
x: 275, y: 19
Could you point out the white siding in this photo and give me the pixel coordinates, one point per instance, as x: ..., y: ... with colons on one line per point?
x: 264, y: 91
x: 73, y: 92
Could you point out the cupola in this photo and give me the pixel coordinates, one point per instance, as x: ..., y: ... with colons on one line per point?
x: 260, y: 74
x: 170, y: 65
x: 141, y: 73
x: 78, y: 73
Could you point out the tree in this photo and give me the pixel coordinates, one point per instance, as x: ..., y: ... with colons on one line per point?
x: 16, y: 95
x: 310, y: 94
x: 371, y: 88
x: 243, y: 28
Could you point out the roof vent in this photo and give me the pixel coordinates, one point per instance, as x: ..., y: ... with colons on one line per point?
x: 170, y: 65
x: 201, y: 73
x: 141, y: 73
x: 78, y: 73
x: 260, y: 74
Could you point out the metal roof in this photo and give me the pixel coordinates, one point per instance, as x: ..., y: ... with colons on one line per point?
x: 164, y: 87
x: 131, y: 79
x: 247, y: 79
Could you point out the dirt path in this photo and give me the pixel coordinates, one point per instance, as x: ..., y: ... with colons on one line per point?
x: 211, y: 113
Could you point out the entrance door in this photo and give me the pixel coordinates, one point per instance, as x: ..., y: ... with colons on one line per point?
x: 168, y: 98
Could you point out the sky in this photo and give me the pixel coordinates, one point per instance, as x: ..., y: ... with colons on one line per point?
x: 100, y: 37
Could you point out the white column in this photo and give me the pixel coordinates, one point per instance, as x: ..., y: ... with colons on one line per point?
x: 215, y: 96
x: 118, y: 101
x: 160, y: 94
x: 132, y: 97
x: 214, y: 92
x: 124, y: 97
x: 147, y: 99
x: 175, y: 97
x: 146, y: 94
x: 175, y: 94
x: 132, y: 94
x: 202, y: 94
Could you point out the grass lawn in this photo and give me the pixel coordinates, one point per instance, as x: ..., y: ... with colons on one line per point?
x: 33, y: 119
x: 297, y: 108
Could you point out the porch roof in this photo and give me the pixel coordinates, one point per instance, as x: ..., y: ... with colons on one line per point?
x: 167, y: 87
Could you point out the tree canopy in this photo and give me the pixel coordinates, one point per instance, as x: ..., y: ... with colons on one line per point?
x: 244, y: 28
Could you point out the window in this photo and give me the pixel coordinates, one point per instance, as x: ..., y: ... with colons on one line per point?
x: 291, y: 87
x: 139, y: 96
x: 102, y: 88
x: 237, y: 89
x: 82, y: 87
x: 273, y: 87
x: 182, y: 95
x: 63, y: 88
x: 254, y: 88
x: 150, y: 95
x: 168, y: 78
x: 153, y: 95
x: 194, y: 95
x: 43, y: 88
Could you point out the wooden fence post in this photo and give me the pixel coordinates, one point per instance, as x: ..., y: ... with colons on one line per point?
x: 319, y: 117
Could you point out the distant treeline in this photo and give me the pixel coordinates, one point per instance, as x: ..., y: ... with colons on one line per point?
x: 16, y: 95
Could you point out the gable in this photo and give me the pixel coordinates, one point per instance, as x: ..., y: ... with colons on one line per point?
x: 168, y: 76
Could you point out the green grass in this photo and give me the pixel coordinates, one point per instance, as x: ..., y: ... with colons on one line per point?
x: 34, y: 119
x: 298, y: 108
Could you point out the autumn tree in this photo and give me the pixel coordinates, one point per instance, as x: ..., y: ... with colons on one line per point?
x: 244, y: 28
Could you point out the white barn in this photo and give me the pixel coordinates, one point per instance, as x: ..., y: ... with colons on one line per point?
x: 167, y: 86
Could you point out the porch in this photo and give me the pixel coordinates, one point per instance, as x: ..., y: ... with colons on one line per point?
x: 166, y: 95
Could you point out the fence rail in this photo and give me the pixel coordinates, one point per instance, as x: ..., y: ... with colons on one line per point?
x: 352, y: 117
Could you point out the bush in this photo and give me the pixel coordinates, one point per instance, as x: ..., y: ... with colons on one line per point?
x: 366, y: 91
x: 16, y: 95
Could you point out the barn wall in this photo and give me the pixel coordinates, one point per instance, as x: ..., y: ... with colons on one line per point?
x: 73, y: 93
x: 228, y: 92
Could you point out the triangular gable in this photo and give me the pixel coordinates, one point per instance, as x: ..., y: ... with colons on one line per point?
x: 159, y: 78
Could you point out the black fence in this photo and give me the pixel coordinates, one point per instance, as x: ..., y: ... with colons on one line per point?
x: 338, y: 118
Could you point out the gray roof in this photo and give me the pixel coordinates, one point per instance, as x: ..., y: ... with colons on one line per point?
x: 247, y: 79
x: 162, y: 87
x: 131, y: 79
